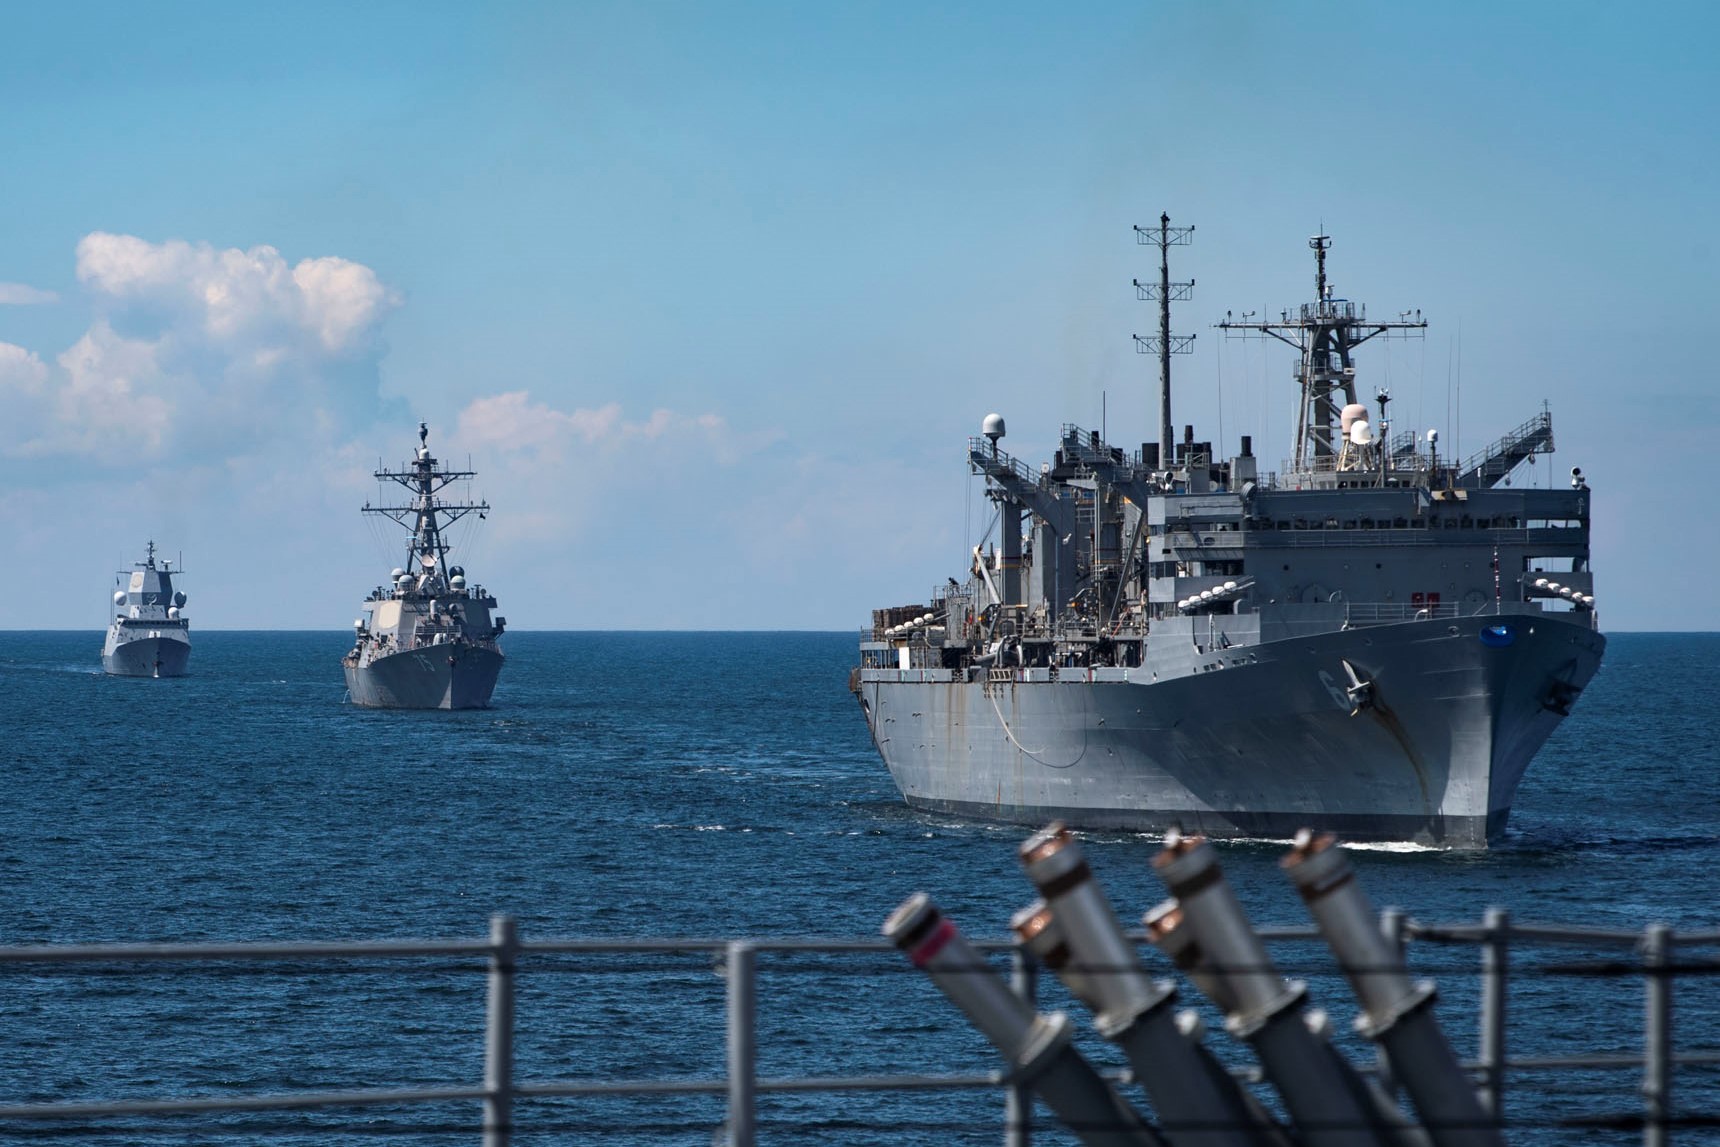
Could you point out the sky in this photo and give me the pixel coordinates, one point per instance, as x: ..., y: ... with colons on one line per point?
x: 712, y: 296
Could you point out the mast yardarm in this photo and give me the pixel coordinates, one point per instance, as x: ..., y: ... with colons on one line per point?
x: 428, y: 515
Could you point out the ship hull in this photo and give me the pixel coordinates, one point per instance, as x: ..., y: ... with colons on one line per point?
x: 1259, y: 741
x: 163, y: 656
x: 438, y: 677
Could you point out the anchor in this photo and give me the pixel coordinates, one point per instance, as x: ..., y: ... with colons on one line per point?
x: 1359, y: 691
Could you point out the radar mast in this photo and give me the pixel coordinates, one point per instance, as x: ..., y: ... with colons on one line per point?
x: 428, y: 515
x: 1325, y: 333
x: 1164, y: 237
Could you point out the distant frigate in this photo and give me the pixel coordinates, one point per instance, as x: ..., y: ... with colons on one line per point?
x: 430, y: 641
x: 1374, y: 641
x: 149, y: 636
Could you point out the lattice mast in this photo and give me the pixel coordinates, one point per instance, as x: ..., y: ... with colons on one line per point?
x: 1325, y: 333
x: 1164, y: 237
x: 428, y: 515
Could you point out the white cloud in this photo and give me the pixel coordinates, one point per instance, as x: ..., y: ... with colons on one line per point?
x: 512, y: 421
x: 197, y: 351
x: 24, y: 295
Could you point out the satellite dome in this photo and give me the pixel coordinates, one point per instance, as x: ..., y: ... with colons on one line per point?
x: 119, y: 597
x: 179, y: 599
x: 397, y: 573
x: 1360, y: 432
x: 992, y: 427
x: 172, y: 613
x: 458, y: 581
x: 1354, y: 412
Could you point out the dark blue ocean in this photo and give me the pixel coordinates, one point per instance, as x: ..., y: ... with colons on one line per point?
x: 633, y: 785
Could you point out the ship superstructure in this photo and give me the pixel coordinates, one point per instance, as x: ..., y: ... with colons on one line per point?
x: 150, y: 636
x: 1374, y: 640
x: 431, y: 639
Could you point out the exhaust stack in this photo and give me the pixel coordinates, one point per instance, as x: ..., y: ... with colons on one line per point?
x: 1037, y: 1047
x: 1396, y: 1013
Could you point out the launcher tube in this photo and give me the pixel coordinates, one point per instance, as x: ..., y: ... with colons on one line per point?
x: 1320, y: 1090
x: 1396, y: 1013
x: 1037, y: 1047
x: 1197, y: 1102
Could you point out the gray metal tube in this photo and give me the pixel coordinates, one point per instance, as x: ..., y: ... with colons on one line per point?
x: 1323, y: 1099
x: 1037, y: 1047
x: 1009, y: 523
x: 1495, y: 969
x: 1196, y: 1101
x: 499, y: 1034
x: 1164, y: 925
x: 1395, y: 1012
x: 742, y: 960
x: 1656, y: 1035
x: 1018, y: 1100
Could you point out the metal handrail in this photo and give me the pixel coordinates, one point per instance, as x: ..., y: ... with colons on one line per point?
x: 504, y: 950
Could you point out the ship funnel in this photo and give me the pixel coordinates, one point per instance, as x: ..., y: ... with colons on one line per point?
x: 1037, y: 1047
x: 1197, y: 1102
x: 1328, y: 1100
x: 1396, y: 1013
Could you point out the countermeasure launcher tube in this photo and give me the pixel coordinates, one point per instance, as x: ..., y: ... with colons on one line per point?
x: 1164, y: 925
x: 1325, y: 1104
x: 1395, y: 1012
x: 1036, y: 1047
x: 1164, y: 929
x: 1196, y: 1100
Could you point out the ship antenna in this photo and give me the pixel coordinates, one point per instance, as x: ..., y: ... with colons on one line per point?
x: 1164, y: 237
x: 423, y: 433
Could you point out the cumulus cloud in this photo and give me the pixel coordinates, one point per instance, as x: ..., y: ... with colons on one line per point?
x: 24, y: 295
x: 512, y: 421
x: 197, y: 350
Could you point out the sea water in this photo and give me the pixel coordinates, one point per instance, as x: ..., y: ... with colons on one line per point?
x: 690, y: 785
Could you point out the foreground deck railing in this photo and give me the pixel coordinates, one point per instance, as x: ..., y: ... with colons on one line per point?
x: 1652, y: 955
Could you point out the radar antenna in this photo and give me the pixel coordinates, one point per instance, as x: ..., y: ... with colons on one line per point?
x: 1164, y: 237
x: 1325, y: 333
x: 428, y: 516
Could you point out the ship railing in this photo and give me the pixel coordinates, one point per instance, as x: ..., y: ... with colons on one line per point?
x: 983, y: 455
x: 1331, y: 310
x: 505, y: 1102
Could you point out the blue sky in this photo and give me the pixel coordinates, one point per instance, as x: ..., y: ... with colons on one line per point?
x: 712, y: 295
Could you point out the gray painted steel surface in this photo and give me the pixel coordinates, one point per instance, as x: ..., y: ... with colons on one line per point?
x: 149, y: 636
x: 1374, y: 642
x: 430, y: 641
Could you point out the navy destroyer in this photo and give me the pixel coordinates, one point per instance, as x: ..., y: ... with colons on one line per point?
x: 150, y: 635
x: 1373, y: 641
x: 431, y: 640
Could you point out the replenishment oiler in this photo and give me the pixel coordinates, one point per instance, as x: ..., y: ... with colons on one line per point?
x: 431, y: 640
x: 1374, y: 641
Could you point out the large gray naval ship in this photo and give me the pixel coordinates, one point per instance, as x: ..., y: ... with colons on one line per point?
x: 149, y: 635
x: 430, y: 641
x: 1374, y: 641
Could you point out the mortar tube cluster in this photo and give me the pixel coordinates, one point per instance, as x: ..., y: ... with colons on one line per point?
x: 1396, y: 1013
x: 1036, y: 1047
x: 1325, y: 1097
x: 1196, y: 1100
